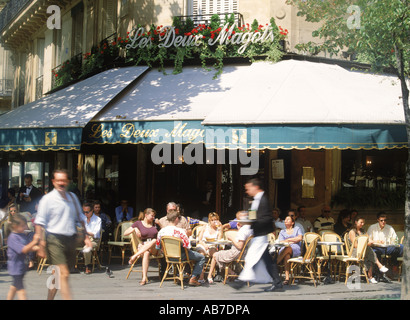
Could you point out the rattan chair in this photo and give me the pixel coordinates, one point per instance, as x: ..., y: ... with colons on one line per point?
x: 237, y: 264
x: 135, y: 242
x: 79, y: 258
x: 357, y: 258
x: 335, y: 252
x: 231, y: 233
x: 120, y: 241
x: 172, y: 248
x: 307, y: 261
x: 347, y: 242
x: 320, y: 260
x: 41, y: 264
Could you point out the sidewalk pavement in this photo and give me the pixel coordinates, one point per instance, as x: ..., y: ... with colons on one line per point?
x: 99, y: 286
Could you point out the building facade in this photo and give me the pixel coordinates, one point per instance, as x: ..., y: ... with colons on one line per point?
x: 42, y: 35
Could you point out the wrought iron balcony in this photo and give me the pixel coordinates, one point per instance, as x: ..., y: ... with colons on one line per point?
x: 11, y: 10
x: 73, y: 74
x: 206, y: 18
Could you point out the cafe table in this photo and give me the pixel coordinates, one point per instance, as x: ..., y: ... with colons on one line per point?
x: 328, y: 279
x: 277, y: 246
x: 221, y: 242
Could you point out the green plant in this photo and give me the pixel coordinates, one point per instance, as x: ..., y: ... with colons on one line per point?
x: 68, y: 71
x: 213, y: 42
x: 207, y: 43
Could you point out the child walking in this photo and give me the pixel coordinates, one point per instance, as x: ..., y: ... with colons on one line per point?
x: 19, y: 245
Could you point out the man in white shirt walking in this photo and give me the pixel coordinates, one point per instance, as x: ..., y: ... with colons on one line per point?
x: 57, y: 219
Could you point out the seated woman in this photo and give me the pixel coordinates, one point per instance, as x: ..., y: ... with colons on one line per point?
x: 147, y: 232
x: 343, y: 224
x: 370, y: 258
x: 223, y: 257
x: 292, y: 235
x: 212, y: 231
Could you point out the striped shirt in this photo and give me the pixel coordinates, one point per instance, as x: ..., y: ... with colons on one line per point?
x: 324, y: 223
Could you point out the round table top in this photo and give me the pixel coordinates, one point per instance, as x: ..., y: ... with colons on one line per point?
x: 281, y: 244
x: 330, y: 243
x: 219, y: 242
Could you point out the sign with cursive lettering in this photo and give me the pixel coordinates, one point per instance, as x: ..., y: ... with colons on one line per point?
x: 170, y: 37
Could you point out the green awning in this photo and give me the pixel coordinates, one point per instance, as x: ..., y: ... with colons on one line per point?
x: 352, y: 136
x: 56, y: 121
x: 40, y: 139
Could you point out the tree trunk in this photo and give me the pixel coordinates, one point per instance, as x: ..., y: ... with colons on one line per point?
x: 405, y: 288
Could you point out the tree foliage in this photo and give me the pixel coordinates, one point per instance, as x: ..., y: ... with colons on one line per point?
x: 376, y: 32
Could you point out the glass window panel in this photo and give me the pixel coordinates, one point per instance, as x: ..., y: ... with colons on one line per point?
x: 14, y: 175
x: 36, y: 170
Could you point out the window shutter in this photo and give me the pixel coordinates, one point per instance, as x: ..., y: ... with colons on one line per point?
x: 110, y: 7
x: 214, y: 6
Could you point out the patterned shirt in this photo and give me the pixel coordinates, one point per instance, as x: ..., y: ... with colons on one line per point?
x: 176, y: 232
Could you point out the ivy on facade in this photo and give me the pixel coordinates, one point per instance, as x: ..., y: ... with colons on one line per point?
x: 209, y: 44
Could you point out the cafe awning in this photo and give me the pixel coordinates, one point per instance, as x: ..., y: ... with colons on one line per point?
x: 288, y: 105
x: 56, y: 121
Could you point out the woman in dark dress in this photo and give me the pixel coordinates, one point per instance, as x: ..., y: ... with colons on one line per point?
x: 146, y: 231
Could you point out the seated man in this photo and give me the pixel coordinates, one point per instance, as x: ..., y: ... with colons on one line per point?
x: 172, y: 230
x: 383, y: 233
x: 301, y: 219
x: 324, y: 221
x: 182, y: 221
x: 124, y: 212
x: 238, y: 241
x: 232, y: 224
x: 92, y: 225
x: 106, y: 223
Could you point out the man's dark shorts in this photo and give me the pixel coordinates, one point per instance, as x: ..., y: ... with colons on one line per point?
x: 61, y: 249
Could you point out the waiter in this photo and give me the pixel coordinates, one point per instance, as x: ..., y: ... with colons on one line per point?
x: 259, y: 265
x: 28, y: 195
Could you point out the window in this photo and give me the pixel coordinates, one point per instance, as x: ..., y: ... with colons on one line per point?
x: 57, y: 47
x: 40, y: 68
x: 199, y: 7
x: 377, y: 169
x: 39, y: 170
x: 77, y: 15
x: 109, y: 18
x: 22, y: 80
